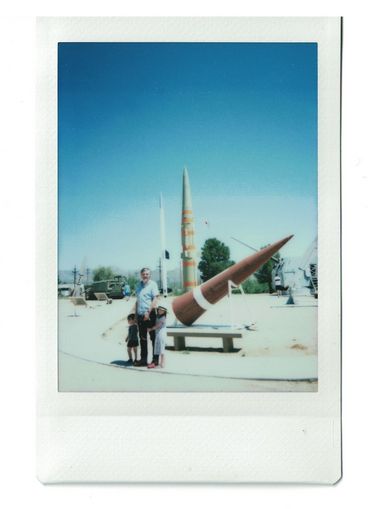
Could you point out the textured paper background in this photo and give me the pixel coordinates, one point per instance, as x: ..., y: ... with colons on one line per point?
x: 208, y: 437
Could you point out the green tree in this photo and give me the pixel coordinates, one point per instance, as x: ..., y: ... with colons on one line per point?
x: 264, y: 273
x: 251, y: 285
x: 177, y: 290
x: 132, y: 282
x: 103, y: 273
x: 215, y: 257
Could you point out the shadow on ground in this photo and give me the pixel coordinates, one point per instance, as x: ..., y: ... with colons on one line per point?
x: 121, y: 363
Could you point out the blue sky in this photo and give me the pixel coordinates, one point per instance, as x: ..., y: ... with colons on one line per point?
x: 241, y: 117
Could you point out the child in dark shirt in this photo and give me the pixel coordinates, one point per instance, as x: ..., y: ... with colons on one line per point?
x: 132, y: 338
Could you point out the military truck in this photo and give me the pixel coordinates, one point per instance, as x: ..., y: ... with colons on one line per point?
x: 112, y: 287
x: 65, y: 289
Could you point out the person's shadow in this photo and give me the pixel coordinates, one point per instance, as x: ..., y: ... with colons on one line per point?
x: 124, y: 364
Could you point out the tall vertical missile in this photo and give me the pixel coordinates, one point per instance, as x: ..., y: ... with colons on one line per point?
x: 187, y: 237
x: 190, y: 306
x: 163, y: 249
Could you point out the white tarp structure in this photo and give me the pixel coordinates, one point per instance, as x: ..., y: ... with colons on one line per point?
x: 301, y: 273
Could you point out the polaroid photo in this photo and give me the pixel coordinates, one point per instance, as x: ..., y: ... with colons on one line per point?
x: 188, y: 181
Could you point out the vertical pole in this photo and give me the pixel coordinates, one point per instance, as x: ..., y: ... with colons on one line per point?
x: 163, y: 249
x: 74, y: 278
x: 229, y: 293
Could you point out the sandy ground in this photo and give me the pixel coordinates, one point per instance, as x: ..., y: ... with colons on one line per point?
x: 280, y: 354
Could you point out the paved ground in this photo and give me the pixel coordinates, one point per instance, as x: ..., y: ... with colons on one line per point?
x: 279, y: 355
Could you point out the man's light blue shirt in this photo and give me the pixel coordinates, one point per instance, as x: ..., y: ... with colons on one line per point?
x: 145, y: 295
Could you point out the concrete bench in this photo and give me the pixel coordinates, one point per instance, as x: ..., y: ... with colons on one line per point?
x: 226, y: 335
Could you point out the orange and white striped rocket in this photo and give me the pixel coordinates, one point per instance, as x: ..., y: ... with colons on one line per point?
x: 187, y: 237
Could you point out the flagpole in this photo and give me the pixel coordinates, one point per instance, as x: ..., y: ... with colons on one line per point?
x: 163, y: 249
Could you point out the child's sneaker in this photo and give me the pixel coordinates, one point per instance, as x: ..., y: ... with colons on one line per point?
x: 152, y: 365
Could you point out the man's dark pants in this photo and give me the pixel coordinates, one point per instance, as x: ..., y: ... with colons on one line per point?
x: 143, y: 325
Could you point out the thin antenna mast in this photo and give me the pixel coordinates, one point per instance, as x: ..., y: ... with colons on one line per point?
x: 163, y: 248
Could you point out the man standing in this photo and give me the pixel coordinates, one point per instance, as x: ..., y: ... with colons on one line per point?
x: 126, y: 291
x: 147, y: 299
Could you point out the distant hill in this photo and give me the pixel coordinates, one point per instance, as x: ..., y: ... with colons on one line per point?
x: 173, y: 276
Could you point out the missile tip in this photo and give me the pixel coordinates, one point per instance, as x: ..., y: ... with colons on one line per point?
x: 286, y: 239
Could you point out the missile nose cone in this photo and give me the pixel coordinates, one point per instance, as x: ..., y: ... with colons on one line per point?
x: 187, y: 197
x: 281, y: 242
x: 192, y: 305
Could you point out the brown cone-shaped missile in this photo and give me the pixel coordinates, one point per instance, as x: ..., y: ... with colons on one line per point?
x: 190, y: 306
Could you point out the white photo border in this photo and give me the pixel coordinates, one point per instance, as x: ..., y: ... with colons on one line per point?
x: 209, y: 437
